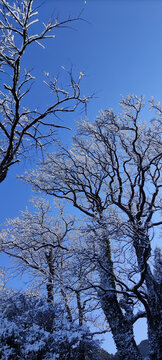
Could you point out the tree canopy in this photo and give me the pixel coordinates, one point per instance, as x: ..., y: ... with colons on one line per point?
x: 112, y: 175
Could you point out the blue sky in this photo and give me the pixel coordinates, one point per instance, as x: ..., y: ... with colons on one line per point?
x: 118, y: 46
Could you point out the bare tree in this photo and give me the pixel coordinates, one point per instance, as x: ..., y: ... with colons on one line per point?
x: 112, y: 174
x: 21, y: 127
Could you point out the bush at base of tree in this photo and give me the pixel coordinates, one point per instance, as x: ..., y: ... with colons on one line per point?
x: 31, y: 328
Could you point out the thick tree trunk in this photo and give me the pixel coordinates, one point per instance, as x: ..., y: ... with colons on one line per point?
x: 154, y: 316
x: 121, y: 327
x: 154, y: 337
x: 154, y: 308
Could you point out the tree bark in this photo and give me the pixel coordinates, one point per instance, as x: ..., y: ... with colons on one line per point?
x: 50, y: 284
x: 121, y: 327
x: 154, y: 316
x: 154, y: 308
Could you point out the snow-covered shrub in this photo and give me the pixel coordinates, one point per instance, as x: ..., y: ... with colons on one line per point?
x: 32, y: 329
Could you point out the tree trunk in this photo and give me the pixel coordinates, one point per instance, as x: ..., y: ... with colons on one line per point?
x: 154, y: 316
x: 81, y: 350
x: 121, y: 327
x: 154, y: 308
x: 50, y: 287
x: 50, y: 284
x: 50, y: 295
x: 154, y: 337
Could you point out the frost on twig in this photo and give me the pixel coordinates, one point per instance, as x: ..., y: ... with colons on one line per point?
x: 20, y: 127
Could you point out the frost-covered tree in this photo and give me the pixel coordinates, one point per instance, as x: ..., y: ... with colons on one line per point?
x: 45, y: 244
x: 40, y: 244
x: 112, y: 174
x: 23, y: 127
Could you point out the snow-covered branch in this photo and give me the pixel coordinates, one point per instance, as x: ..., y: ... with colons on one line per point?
x: 21, y: 128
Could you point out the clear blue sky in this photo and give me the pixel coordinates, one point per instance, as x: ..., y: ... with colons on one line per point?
x: 118, y: 47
